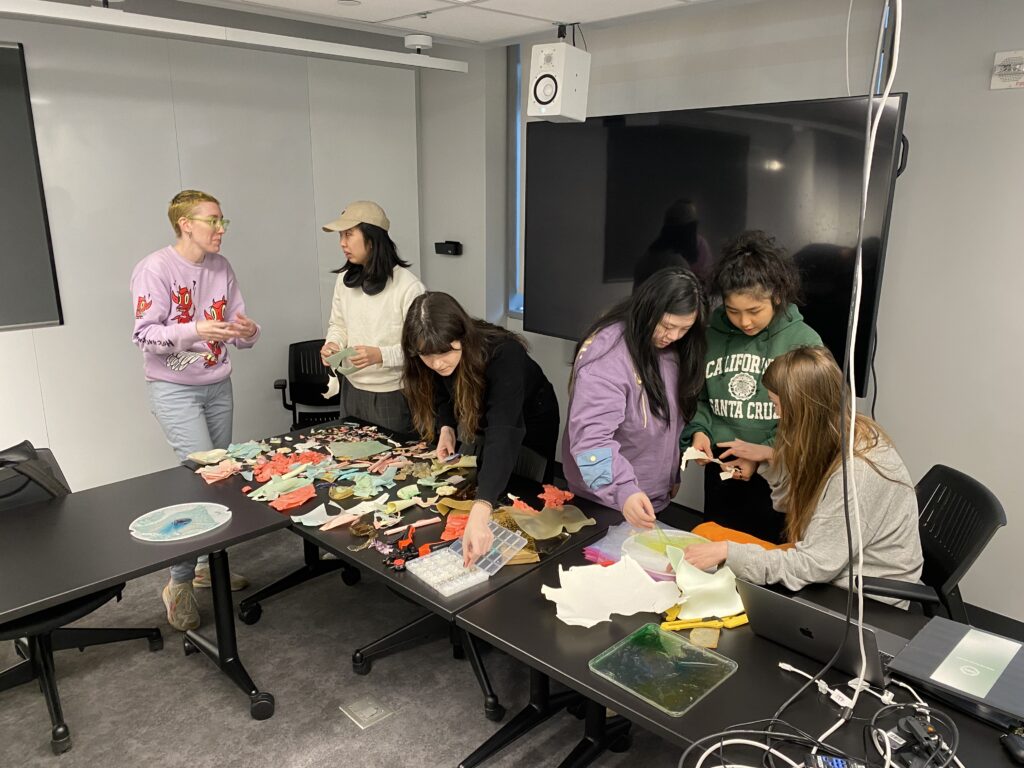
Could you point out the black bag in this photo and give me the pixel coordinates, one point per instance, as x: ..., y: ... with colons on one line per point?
x: 27, y: 476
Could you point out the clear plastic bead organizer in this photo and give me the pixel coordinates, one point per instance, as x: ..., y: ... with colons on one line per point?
x: 443, y: 570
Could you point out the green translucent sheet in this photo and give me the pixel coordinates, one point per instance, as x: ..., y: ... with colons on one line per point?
x: 362, y: 449
x: 663, y: 668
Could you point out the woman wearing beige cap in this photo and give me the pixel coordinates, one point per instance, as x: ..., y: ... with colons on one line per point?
x: 371, y: 297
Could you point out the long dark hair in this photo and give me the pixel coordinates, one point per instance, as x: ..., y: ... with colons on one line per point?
x: 433, y: 322
x: 380, y: 263
x: 673, y: 291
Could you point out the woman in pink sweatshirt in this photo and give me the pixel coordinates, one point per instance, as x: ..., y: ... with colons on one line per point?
x: 188, y: 310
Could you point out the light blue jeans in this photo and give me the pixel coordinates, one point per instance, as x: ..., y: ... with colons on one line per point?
x: 194, y: 417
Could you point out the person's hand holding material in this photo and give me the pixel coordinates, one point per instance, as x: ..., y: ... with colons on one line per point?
x: 445, y: 443
x: 477, y: 539
x: 638, y: 511
x: 742, y: 469
x: 366, y: 356
x: 741, y: 449
x: 692, y: 454
x: 705, y: 556
x: 702, y: 443
x: 328, y: 349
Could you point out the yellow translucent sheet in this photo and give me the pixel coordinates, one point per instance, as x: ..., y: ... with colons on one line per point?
x: 551, y: 521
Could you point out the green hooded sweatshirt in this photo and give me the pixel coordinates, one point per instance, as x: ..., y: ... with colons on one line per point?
x: 734, y: 404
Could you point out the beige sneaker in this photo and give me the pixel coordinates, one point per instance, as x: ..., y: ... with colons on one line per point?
x: 182, y: 608
x: 202, y: 579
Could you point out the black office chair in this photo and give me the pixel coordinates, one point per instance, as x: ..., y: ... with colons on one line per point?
x: 958, y: 518
x: 306, y: 383
x: 27, y: 476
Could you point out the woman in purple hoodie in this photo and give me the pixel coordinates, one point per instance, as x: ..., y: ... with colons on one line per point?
x: 636, y: 379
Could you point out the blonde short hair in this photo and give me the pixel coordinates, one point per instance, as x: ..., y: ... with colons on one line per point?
x: 184, y: 203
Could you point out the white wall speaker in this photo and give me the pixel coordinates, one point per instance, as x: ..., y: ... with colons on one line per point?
x: 559, y: 81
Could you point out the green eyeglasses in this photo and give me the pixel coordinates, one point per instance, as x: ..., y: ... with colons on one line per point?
x: 215, y: 222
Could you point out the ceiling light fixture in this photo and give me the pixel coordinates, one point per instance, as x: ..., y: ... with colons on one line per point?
x: 158, y: 26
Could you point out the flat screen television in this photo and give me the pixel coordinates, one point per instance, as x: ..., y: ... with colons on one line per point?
x: 601, y: 195
x: 27, y: 273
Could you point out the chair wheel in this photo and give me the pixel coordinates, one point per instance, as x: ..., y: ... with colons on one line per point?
x: 621, y: 743
x: 261, y: 705
x: 156, y: 642
x: 360, y: 664
x: 249, y: 613
x: 493, y: 710
x: 189, y: 647
x: 60, y: 739
x: 351, y: 576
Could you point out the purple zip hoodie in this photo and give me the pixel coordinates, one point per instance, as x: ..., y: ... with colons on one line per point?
x: 613, y: 445
x: 171, y: 294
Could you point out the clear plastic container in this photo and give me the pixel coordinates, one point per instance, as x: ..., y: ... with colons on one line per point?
x: 648, y: 549
x: 506, y: 544
x: 443, y: 570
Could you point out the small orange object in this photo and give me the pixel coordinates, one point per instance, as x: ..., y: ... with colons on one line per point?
x: 246, y: 488
x: 293, y: 499
x: 522, y: 506
x: 555, y: 497
x: 408, y: 540
x: 456, y: 526
x: 716, y: 532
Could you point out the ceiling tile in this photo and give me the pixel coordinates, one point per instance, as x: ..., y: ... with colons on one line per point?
x: 471, y: 23
x: 580, y: 10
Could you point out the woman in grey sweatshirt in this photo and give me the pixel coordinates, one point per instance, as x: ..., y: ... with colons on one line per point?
x: 806, y: 477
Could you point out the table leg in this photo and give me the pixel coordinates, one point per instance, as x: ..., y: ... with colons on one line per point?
x: 493, y: 710
x: 250, y: 609
x: 224, y: 650
x: 542, y: 706
x: 599, y: 734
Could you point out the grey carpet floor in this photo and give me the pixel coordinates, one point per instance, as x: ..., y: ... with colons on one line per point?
x: 126, y: 706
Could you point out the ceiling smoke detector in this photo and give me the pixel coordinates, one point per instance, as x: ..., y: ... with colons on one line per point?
x: 419, y: 43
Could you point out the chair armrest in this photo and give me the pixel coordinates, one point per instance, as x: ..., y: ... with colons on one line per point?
x: 903, y: 590
x: 282, y: 384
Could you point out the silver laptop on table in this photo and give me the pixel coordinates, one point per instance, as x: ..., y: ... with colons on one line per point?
x: 817, y: 632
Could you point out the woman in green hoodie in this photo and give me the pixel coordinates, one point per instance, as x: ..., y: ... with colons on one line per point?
x: 735, y: 420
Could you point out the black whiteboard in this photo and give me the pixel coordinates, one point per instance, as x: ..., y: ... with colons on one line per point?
x: 28, y: 280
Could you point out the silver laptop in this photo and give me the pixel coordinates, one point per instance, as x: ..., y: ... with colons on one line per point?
x: 817, y: 632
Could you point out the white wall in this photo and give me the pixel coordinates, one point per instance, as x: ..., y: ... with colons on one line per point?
x: 463, y: 127
x: 124, y: 122
x: 947, y: 360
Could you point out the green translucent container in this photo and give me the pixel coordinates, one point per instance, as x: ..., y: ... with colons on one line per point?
x: 663, y: 668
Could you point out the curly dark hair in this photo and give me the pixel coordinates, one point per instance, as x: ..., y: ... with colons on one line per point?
x: 753, y: 262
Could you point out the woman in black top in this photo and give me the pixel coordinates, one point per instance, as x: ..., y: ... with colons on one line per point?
x: 468, y: 376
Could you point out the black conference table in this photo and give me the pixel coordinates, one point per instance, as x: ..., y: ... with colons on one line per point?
x: 55, y: 551
x: 441, y: 610
x: 520, y: 621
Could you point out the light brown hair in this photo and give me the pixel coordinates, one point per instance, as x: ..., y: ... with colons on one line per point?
x: 184, y: 203
x: 808, y: 441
